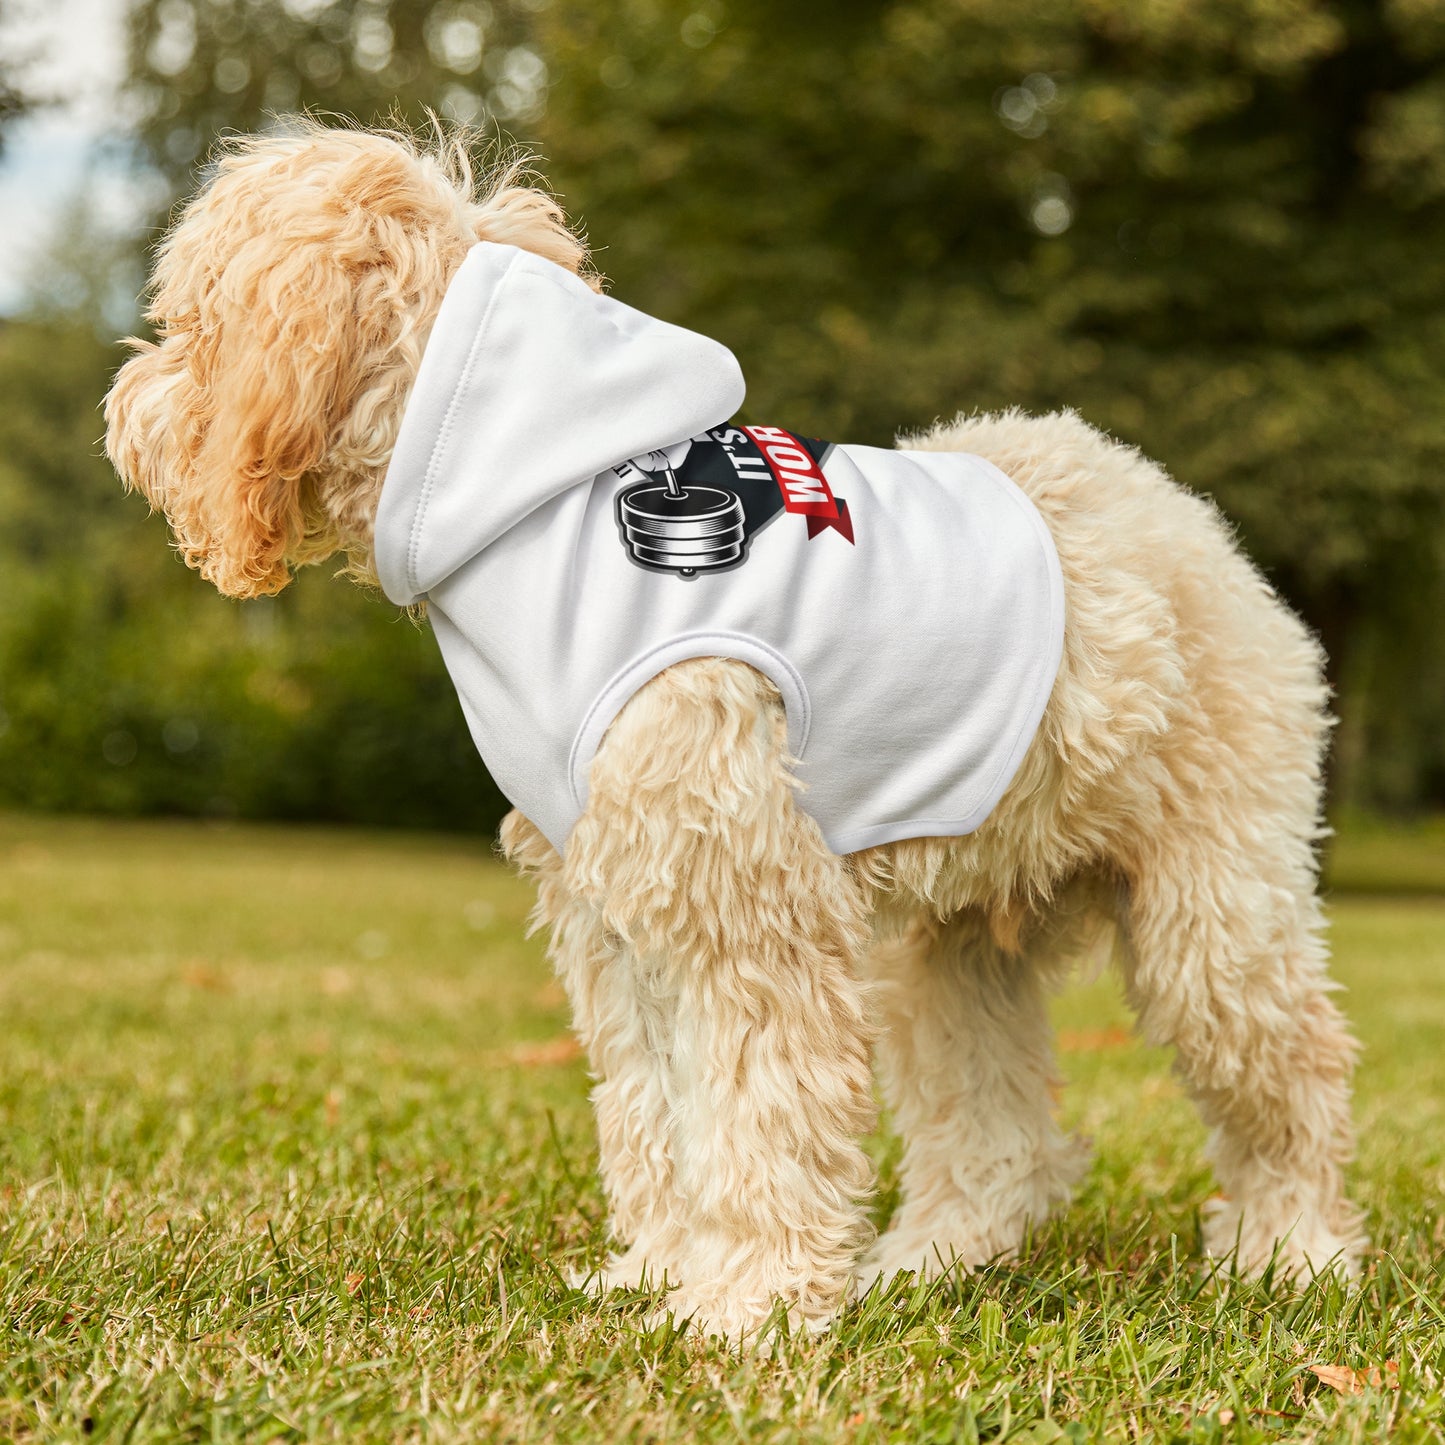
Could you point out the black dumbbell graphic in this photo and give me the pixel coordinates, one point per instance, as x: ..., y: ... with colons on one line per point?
x: 685, y: 529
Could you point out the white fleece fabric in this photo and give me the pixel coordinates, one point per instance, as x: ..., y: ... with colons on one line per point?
x: 562, y: 461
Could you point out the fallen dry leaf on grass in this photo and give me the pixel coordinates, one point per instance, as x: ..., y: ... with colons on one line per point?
x: 1355, y: 1382
x: 1092, y: 1041
x: 198, y: 974
x: 552, y: 1051
x: 335, y: 982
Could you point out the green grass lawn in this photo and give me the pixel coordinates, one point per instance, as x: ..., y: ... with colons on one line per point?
x: 292, y: 1146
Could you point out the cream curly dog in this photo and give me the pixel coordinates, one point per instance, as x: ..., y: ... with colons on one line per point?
x: 731, y: 976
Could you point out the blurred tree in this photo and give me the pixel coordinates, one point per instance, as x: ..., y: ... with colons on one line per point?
x: 1216, y: 227
x: 14, y: 99
x: 201, y: 67
x: 127, y: 685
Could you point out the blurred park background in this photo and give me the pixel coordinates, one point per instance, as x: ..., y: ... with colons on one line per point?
x: 289, y: 1121
x: 1214, y: 227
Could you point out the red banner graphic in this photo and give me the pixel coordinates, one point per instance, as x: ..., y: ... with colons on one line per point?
x: 800, y: 479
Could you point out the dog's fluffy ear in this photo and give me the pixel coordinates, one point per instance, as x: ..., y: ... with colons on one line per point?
x: 292, y: 301
x: 515, y: 214
x: 221, y: 423
x: 264, y: 322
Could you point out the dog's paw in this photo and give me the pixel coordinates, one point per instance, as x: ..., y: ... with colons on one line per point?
x: 1299, y: 1245
x: 967, y: 1227
x: 754, y: 1324
x: 940, y: 1246
x: 633, y: 1270
x: 898, y: 1254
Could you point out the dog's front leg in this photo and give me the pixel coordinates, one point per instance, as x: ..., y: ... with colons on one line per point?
x: 741, y: 929
x: 622, y: 1015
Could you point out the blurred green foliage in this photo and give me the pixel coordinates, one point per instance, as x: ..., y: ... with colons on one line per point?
x: 14, y: 98
x: 1215, y: 228
x: 127, y: 686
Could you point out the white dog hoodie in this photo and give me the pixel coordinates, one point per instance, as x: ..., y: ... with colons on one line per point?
x: 569, y: 497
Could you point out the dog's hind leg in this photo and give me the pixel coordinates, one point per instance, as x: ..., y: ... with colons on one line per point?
x: 1227, y: 964
x: 693, y: 853
x: 966, y: 1060
x: 1214, y: 836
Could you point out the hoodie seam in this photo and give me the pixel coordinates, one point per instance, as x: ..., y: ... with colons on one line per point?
x: 633, y: 676
x: 447, y: 426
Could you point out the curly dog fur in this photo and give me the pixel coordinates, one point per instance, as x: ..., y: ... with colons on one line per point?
x: 730, y: 978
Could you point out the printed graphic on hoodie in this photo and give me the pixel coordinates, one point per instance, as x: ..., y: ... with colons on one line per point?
x: 696, y: 506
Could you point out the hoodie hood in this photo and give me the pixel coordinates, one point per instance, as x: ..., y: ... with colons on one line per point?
x: 530, y: 384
